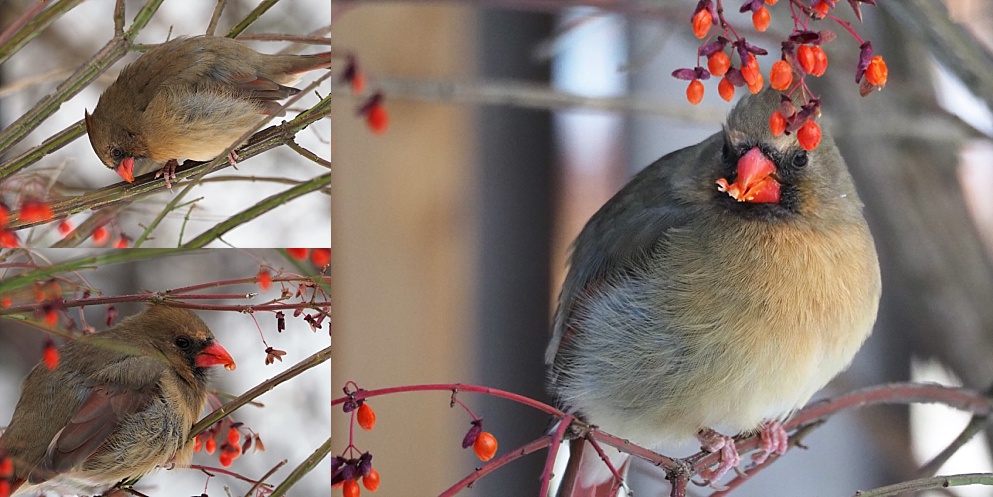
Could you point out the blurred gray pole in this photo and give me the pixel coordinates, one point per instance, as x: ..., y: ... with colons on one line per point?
x: 514, y: 185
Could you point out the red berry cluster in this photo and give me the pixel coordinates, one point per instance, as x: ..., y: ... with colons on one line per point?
x: 38, y: 211
x: 48, y: 294
x: 232, y: 444
x: 801, y: 55
x: 346, y: 471
x: 373, y: 109
x: 319, y: 256
x: 32, y: 211
x: 6, y: 474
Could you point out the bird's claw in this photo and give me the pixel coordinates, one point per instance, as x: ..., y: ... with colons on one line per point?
x: 168, y: 172
x: 711, y: 441
x: 775, y: 440
x: 233, y: 159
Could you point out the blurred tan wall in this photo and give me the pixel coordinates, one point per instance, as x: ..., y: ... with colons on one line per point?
x: 402, y: 220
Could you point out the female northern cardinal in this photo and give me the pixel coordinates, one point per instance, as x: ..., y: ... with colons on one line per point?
x: 190, y: 98
x: 686, y: 310
x: 119, y: 404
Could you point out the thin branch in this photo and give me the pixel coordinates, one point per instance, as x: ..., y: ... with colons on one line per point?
x: 251, y: 17
x: 216, y: 16
x: 265, y: 477
x: 30, y: 25
x: 314, y: 360
x: 258, y: 209
x: 311, y: 40
x: 933, y: 483
x: 305, y: 467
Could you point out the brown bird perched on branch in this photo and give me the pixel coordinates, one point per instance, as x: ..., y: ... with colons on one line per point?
x: 688, y: 314
x: 190, y: 98
x: 119, y: 404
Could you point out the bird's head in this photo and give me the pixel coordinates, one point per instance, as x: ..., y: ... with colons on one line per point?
x: 181, y: 337
x: 773, y: 175
x: 117, y: 146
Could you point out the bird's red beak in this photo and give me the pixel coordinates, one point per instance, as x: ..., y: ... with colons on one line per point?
x: 126, y: 169
x: 755, y: 182
x: 215, y: 355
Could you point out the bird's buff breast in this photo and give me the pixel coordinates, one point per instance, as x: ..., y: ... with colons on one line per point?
x: 785, y: 310
x: 201, y: 125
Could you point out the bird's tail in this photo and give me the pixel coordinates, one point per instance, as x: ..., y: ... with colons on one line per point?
x: 311, y: 62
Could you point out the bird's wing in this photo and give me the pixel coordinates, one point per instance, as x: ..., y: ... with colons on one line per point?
x: 258, y: 87
x: 114, y: 394
x: 630, y: 227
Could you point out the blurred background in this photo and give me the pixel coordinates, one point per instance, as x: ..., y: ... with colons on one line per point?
x: 46, y: 61
x: 512, y: 122
x: 296, y: 415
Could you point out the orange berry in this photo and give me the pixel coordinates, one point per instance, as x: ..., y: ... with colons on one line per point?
x: 64, y: 227
x: 694, y: 92
x: 351, y: 489
x: 4, y: 488
x: 820, y: 61
x: 6, y: 467
x: 121, y: 243
x: 718, y: 63
x: 726, y: 89
x: 485, y: 446
x: 210, y: 445
x: 36, y: 211
x: 321, y: 257
x: 805, y: 56
x: 371, y: 481
x: 777, y: 123
x: 226, y: 458
x: 771, y: 2
x: 366, y: 417
x: 51, y: 318
x: 877, y: 72
x: 378, y: 119
x: 4, y: 215
x: 298, y: 253
x: 50, y: 356
x: 822, y: 8
x: 750, y: 70
x: 198, y: 443
x: 781, y: 75
x: 8, y: 239
x: 756, y: 86
x: 101, y: 235
x: 809, y: 135
x: 234, y: 437
x: 761, y: 19
x: 358, y: 82
x: 264, y: 279
x: 6, y: 302
x: 702, y: 21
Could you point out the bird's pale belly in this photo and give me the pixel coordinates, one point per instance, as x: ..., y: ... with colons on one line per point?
x: 725, y: 350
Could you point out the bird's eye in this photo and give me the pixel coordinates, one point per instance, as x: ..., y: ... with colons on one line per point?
x: 117, y: 154
x: 182, y: 342
x: 800, y: 160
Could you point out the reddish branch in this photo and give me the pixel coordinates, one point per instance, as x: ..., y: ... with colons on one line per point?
x: 680, y: 471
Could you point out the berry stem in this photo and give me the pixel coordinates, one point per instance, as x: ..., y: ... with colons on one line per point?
x: 726, y: 26
x: 455, y: 400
